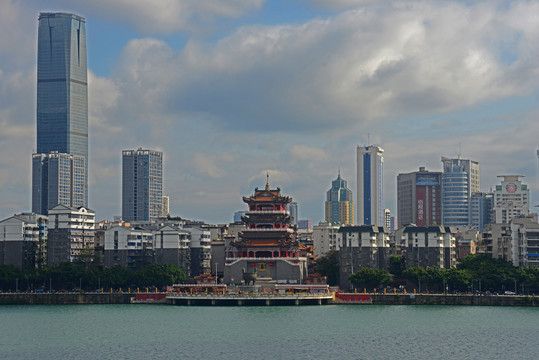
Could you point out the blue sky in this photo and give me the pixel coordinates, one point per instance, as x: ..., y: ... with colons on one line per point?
x: 230, y: 90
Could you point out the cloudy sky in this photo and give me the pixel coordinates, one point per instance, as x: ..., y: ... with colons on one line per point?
x: 232, y: 89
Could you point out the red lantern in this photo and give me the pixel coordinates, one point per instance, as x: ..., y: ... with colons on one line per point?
x: 252, y: 264
x: 271, y: 264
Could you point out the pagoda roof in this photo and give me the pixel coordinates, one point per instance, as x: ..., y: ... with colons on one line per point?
x: 267, y: 195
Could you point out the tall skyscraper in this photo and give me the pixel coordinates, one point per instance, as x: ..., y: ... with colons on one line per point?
x: 339, y: 203
x: 62, y: 88
x: 293, y: 210
x: 481, y: 205
x: 370, y: 185
x: 142, y: 184
x: 419, y: 198
x: 57, y: 178
x: 460, y: 179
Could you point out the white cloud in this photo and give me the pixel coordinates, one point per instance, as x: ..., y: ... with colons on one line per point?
x: 162, y: 16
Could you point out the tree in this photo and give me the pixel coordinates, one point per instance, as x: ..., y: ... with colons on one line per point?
x: 495, y: 274
x: 395, y: 265
x: 370, y: 278
x: 329, y: 266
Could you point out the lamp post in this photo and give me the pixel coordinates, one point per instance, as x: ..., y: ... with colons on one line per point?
x: 215, y: 273
x: 50, y: 284
x: 16, y: 284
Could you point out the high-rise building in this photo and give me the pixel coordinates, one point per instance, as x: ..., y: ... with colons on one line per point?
x: 339, y: 203
x: 481, y: 205
x: 387, y: 218
x: 293, y: 210
x: 57, y: 178
x: 511, y: 199
x: 62, y: 88
x: 419, y: 198
x: 165, y: 210
x: 370, y: 185
x: 142, y: 184
x: 460, y: 179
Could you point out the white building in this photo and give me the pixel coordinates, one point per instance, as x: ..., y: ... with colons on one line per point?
x: 525, y: 241
x: 365, y: 246
x: 200, y: 250
x: 70, y: 231
x: 128, y: 247
x: 23, y: 240
x: 172, y: 246
x: 429, y: 246
x: 511, y: 199
x: 325, y: 238
x: 370, y: 185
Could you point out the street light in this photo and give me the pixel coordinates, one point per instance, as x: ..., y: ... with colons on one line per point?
x: 216, y: 273
x: 16, y: 284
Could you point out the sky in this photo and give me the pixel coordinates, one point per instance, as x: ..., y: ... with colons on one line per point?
x: 230, y: 90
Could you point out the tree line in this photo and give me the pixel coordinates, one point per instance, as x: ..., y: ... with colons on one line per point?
x: 472, y: 273
x: 67, y: 276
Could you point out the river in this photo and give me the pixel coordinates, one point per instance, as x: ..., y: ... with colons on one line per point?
x: 287, y: 332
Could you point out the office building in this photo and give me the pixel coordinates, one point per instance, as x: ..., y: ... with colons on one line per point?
x: 460, y: 179
x: 62, y: 89
x: 511, y: 199
x: 339, y: 203
x: 480, y: 211
x: 370, y: 185
x: 419, y: 198
x: 293, y: 210
x: 57, y: 178
x: 142, y: 185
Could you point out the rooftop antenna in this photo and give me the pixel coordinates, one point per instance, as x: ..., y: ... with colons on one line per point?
x: 368, y: 139
x: 460, y: 148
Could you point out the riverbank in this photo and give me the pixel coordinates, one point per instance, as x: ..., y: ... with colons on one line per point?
x: 366, y: 299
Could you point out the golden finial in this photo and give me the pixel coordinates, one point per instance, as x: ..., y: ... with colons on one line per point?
x: 267, y: 181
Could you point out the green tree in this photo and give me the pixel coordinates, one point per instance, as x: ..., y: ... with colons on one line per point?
x: 395, y: 265
x: 328, y: 265
x: 495, y: 274
x: 370, y: 278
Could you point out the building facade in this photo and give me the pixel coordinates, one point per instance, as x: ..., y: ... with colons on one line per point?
x: 339, y: 203
x: 131, y: 248
x: 430, y: 246
x: 142, y: 184
x: 525, y: 242
x: 325, y: 238
x: 370, y: 185
x: 57, y: 178
x: 460, y: 179
x: 419, y: 198
x: 71, y: 234
x: 511, y: 199
x: 365, y: 246
x: 480, y: 212
x: 62, y: 88
x: 23, y: 241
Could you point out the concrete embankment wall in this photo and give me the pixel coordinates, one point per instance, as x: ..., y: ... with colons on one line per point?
x: 64, y: 298
x: 424, y: 299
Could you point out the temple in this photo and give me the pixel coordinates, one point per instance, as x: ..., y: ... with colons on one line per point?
x: 267, y: 250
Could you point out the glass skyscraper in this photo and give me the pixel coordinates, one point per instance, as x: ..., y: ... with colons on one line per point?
x: 460, y: 179
x: 58, y: 178
x: 142, y: 184
x: 339, y: 203
x: 370, y: 185
x: 62, y: 89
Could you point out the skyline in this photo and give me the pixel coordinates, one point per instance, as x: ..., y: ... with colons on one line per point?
x: 229, y: 91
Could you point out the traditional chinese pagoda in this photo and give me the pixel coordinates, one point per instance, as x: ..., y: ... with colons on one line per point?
x: 267, y: 249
